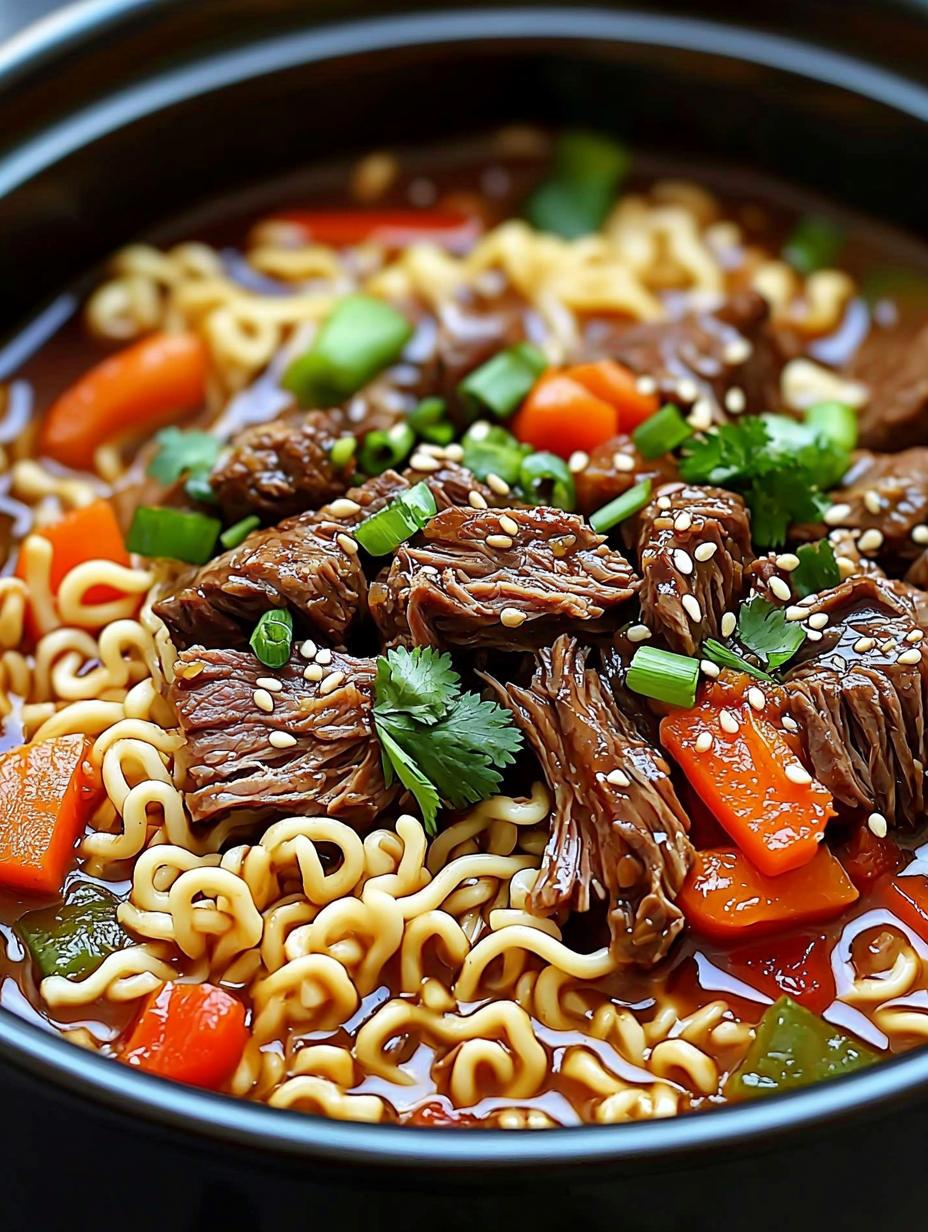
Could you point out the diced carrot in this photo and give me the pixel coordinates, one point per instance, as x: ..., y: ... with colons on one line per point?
x: 394, y: 229
x: 726, y: 898
x: 742, y: 778
x: 561, y: 416
x: 193, y: 1033
x: 137, y: 390
x: 867, y: 857
x: 618, y: 386
x: 799, y: 966
x: 91, y: 533
x: 47, y: 793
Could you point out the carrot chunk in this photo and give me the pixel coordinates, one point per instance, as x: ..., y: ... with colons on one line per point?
x: 561, y: 416
x: 91, y: 533
x: 193, y: 1033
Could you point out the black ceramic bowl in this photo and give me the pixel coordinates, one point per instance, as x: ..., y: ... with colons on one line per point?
x: 115, y: 114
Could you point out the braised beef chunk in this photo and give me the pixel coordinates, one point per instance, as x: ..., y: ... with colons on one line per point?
x: 693, y: 545
x: 613, y: 468
x: 472, y: 327
x: 281, y: 468
x: 894, y: 367
x: 730, y: 357
x: 229, y: 761
x: 860, y: 697
x: 514, y: 579
x: 618, y: 830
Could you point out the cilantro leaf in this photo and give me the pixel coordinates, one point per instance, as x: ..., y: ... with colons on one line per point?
x: 183, y: 453
x: 764, y: 630
x: 817, y: 569
x: 421, y: 683
x: 396, y: 759
x: 725, y: 455
x: 725, y: 657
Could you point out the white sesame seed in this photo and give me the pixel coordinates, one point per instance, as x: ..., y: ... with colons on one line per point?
x: 920, y: 533
x: 877, y: 824
x: 454, y: 452
x: 728, y: 624
x: 423, y: 462
x: 618, y: 778
x: 688, y: 390
x: 872, y: 501
x: 888, y: 645
x: 480, y: 430
x: 705, y: 551
x: 281, y: 740
x: 646, y: 385
x: 915, y: 635
x: 497, y: 484
x: 729, y: 722
x: 691, y: 607
x: 738, y: 351
x: 682, y: 560
x: 331, y: 683
x: 344, y: 508
x: 433, y: 451
x: 787, y: 561
x: 790, y: 723
x: 795, y: 612
x: 511, y: 617
x: 623, y: 462
x: 682, y: 521
x: 704, y: 742
x: 798, y: 774
x: 347, y: 544
x: 476, y: 500
x: 808, y: 601
x: 846, y: 566
x: 664, y: 502
x: 700, y: 417
x: 910, y: 656
x: 871, y: 540
x: 813, y: 635
x: 313, y: 672
x: 779, y: 589
x: 263, y: 700
x: 638, y: 633
x: 324, y: 656
x: 499, y: 541
x: 509, y: 525
x: 270, y: 683
x: 308, y: 649
x: 708, y: 668
x: 735, y: 401
x: 864, y: 644
x: 818, y: 620
x: 663, y: 523
x: 837, y: 514
x: 757, y: 697
x: 578, y: 461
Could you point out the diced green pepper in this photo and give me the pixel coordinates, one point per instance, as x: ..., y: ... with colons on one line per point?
x: 73, y: 938
x: 793, y: 1048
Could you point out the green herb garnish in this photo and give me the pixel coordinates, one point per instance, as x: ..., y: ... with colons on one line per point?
x: 662, y: 432
x: 725, y: 657
x: 183, y: 453
x: 621, y: 507
x: 764, y: 630
x: 501, y: 384
x: 585, y: 177
x: 545, y: 479
x: 491, y: 450
x: 817, y: 569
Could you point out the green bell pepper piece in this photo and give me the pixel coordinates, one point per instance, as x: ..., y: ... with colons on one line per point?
x: 73, y: 938
x: 792, y: 1048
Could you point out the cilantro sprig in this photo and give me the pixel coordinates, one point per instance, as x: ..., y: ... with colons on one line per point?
x: 765, y: 633
x: 191, y: 454
x: 445, y: 746
x: 817, y: 569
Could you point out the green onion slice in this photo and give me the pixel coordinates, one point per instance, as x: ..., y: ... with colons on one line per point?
x: 817, y: 569
x: 587, y: 171
x: 384, y: 531
x: 173, y: 533
x: 663, y: 675
x: 273, y: 637
x: 342, y: 451
x: 360, y: 338
x: 382, y: 449
x: 429, y: 420
x: 238, y: 532
x: 503, y: 382
x: 661, y: 432
x: 813, y: 244
x: 545, y: 479
x: 621, y: 508
x: 491, y: 450
x: 725, y: 657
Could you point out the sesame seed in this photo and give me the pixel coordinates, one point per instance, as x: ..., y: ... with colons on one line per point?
x: 497, y: 484
x: 704, y: 742
x: 618, y: 778
x: 920, y: 533
x: 499, y: 541
x: 798, y: 774
x: 728, y: 624
x: 818, y: 621
x: 813, y: 635
x: 281, y: 740
x: 682, y: 560
x: 646, y: 385
x: 915, y: 635
x: 738, y: 351
x: 433, y: 451
x: 511, y: 617
x: 663, y: 523
x: 910, y: 656
x: 836, y: 514
x: 664, y: 502
x: 476, y: 500
x: 779, y: 589
x: 578, y: 461
x: 479, y: 431
x: 331, y: 683
x: 729, y: 722
x: 757, y: 698
x: 795, y: 612
x: 308, y: 649
x: 735, y: 401
x: 705, y: 551
x: 638, y: 633
x: 872, y: 501
x: 864, y: 644
x: 808, y: 601
x: 871, y: 540
x: 270, y: 683
x: 888, y: 645
x: 790, y: 723
x: 324, y: 656
x: 682, y: 521
x: 787, y: 561
x: 509, y: 525
x: 313, y: 672
x: 700, y: 417
x: 623, y: 462
x: 263, y: 700
x: 877, y: 824
x: 708, y: 668
x: 423, y: 462
x: 454, y: 452
x: 846, y: 566
x: 691, y: 607
x: 344, y: 508
x: 347, y: 544
x: 688, y: 390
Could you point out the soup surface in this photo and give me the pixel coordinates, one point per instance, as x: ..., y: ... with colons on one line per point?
x: 461, y: 643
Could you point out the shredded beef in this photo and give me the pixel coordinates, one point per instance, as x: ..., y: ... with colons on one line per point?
x: 894, y: 367
x: 678, y: 520
x: 613, y: 468
x: 625, y: 840
x: 473, y: 580
x: 228, y: 762
x: 861, y: 712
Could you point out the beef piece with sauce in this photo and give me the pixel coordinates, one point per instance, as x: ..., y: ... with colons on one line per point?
x: 693, y: 546
x: 613, y: 468
x: 860, y: 698
x: 231, y: 759
x: 500, y: 579
x: 894, y: 367
x: 617, y: 830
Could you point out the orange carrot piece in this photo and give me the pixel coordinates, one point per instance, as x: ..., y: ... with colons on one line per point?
x: 193, y: 1033
x: 617, y: 385
x: 561, y: 416
x: 91, y: 533
x: 389, y: 228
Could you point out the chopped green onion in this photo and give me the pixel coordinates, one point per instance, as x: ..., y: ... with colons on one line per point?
x: 817, y: 569
x: 663, y: 675
x: 238, y: 532
x: 836, y: 422
x: 813, y: 244
x: 661, y: 432
x: 199, y: 488
x: 621, y: 508
x: 173, y: 533
x: 491, y: 450
x: 382, y: 449
x: 429, y: 421
x: 360, y: 338
x: 545, y: 479
x: 342, y: 451
x: 273, y: 637
x: 725, y: 657
x: 503, y: 382
x: 587, y: 170
x: 384, y: 531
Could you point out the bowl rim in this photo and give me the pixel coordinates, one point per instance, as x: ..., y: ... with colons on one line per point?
x: 234, y: 1121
